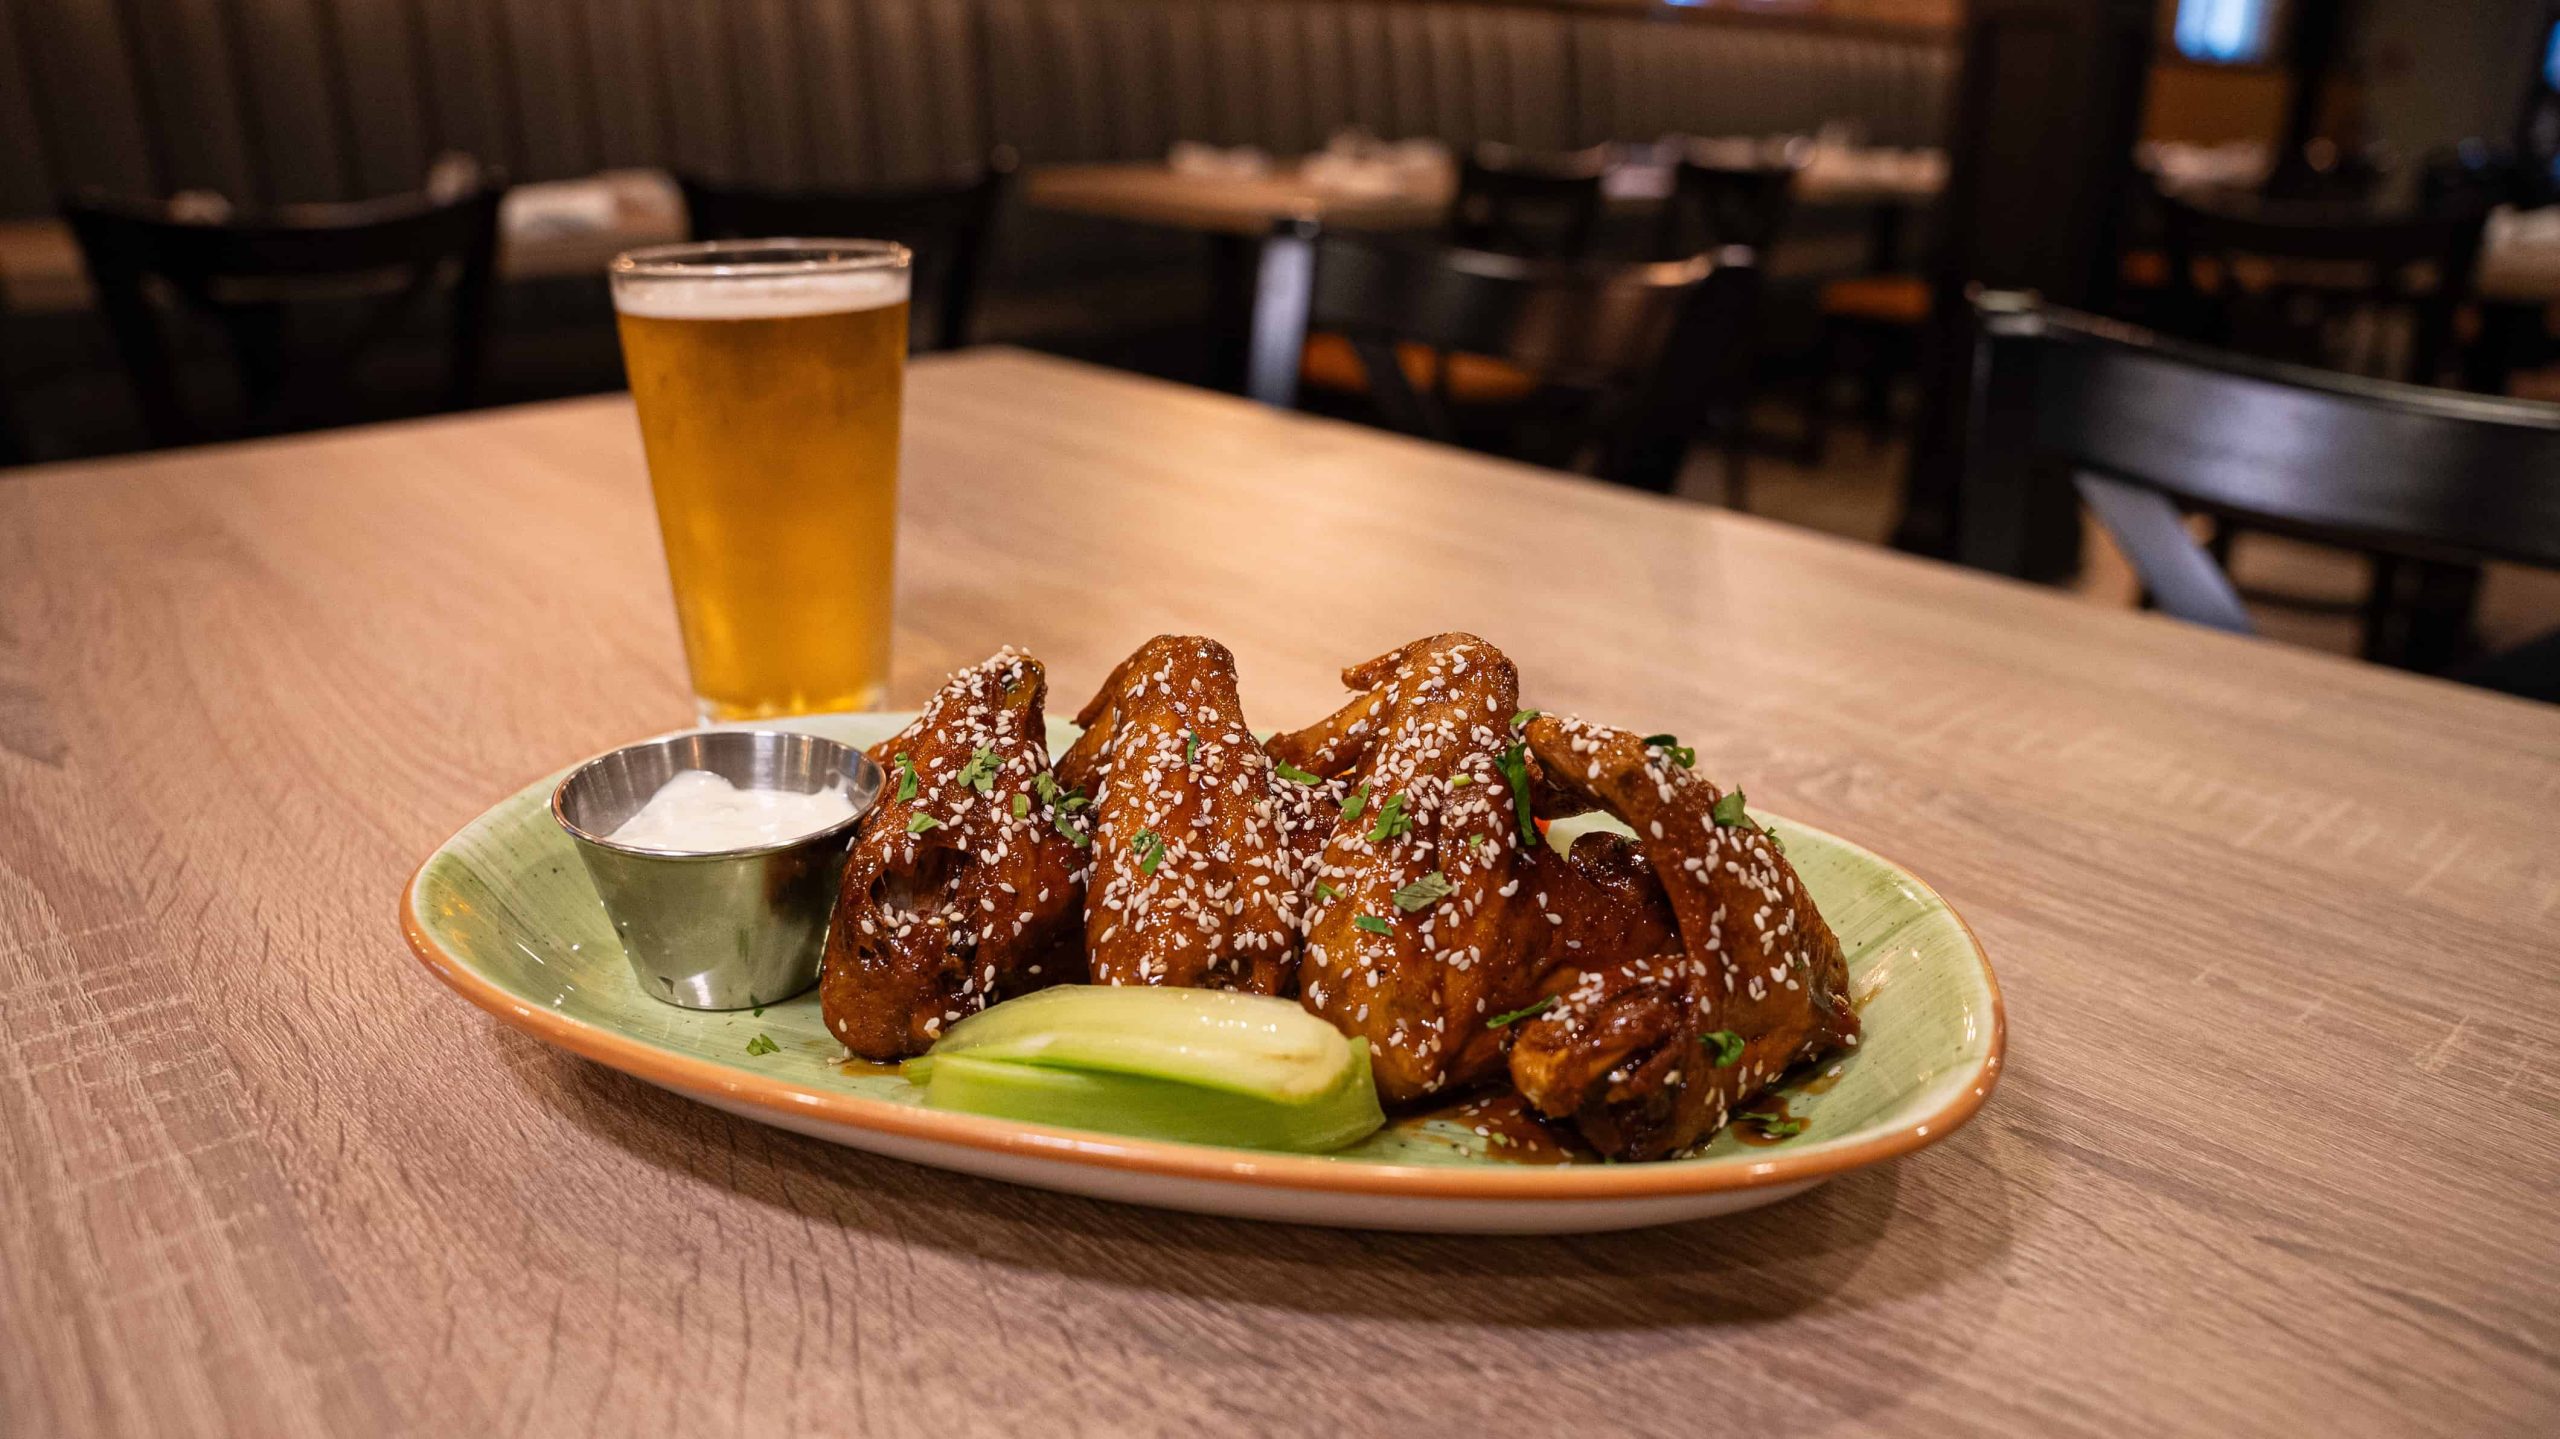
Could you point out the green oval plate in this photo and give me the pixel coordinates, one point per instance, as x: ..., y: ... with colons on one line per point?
x: 503, y: 913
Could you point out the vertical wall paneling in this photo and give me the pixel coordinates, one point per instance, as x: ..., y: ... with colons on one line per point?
x: 382, y: 71
x: 842, y: 145
x: 183, y: 50
x: 628, y: 88
x: 1326, y: 69
x: 80, y: 79
x: 301, y: 99
x: 694, y: 59
x: 772, y: 114
x: 551, y: 86
x: 26, y: 184
x: 466, y: 80
x: 285, y: 70
x: 1369, y: 75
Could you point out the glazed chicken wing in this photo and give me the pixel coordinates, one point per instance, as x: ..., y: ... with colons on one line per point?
x: 1649, y: 1052
x: 965, y: 883
x: 1194, y: 881
x: 1437, y: 907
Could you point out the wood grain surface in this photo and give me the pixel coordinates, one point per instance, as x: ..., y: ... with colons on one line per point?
x: 2276, y: 1152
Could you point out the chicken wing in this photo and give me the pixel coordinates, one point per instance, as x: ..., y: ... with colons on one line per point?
x: 1649, y: 1052
x: 966, y: 882
x: 1194, y: 880
x: 1438, y: 908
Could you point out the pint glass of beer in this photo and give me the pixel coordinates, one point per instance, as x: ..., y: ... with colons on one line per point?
x: 768, y: 375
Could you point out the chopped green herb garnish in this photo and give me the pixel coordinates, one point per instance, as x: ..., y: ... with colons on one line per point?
x: 1773, y: 1126
x: 1190, y: 747
x: 1729, y: 813
x: 1356, y: 801
x: 1046, y: 784
x: 918, y: 823
x: 1424, y: 892
x: 759, y: 1011
x: 906, y: 778
x: 1726, y: 1044
x: 1074, y: 801
x: 1514, y: 764
x: 1461, y: 779
x: 1075, y: 836
x: 1291, y: 772
x: 763, y: 1044
x: 1392, y: 820
x: 1021, y: 805
x: 1679, y: 754
x: 1325, y: 891
x: 1371, y: 923
x: 1475, y: 841
x: 1771, y: 836
x: 1150, y: 850
x: 980, y: 772
x: 1523, y: 717
x: 1501, y: 1021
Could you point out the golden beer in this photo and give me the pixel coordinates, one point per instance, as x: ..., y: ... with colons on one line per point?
x: 768, y: 377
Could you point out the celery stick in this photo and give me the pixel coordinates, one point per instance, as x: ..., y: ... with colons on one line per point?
x: 1250, y: 1045
x: 1153, y: 1108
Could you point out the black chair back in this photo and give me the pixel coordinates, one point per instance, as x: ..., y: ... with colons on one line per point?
x: 2320, y: 284
x: 1714, y: 204
x: 2150, y: 428
x: 379, y: 258
x: 1524, y: 202
x: 1603, y: 333
x: 946, y: 226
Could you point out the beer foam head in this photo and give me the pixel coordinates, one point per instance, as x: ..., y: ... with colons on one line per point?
x: 758, y: 297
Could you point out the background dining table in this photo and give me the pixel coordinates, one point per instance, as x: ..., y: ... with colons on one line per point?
x: 2276, y: 1151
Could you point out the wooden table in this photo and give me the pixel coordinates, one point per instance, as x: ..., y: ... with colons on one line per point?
x: 2275, y: 1152
x: 1150, y: 193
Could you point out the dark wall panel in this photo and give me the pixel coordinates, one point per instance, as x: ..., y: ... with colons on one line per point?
x: 298, y: 114
x: 302, y: 99
x: 381, y: 58
x: 188, y: 59
x: 26, y: 183
x: 77, y: 63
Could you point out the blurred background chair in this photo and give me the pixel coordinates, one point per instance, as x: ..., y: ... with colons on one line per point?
x: 1718, y: 199
x: 1544, y: 205
x: 2319, y: 284
x: 949, y: 227
x: 305, y: 300
x: 1597, y: 337
x: 2338, y: 287
x: 2152, y: 431
x: 1871, y: 324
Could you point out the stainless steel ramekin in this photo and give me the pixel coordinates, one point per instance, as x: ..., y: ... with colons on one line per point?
x: 731, y: 929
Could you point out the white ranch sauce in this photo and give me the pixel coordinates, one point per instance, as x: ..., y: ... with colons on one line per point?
x: 699, y: 812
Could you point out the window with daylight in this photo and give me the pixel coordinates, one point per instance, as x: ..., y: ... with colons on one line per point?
x: 2226, y: 32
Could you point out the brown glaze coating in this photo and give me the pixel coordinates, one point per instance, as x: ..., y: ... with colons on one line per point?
x: 1626, y: 1051
x: 1433, y: 912
x: 951, y: 899
x: 1194, y: 881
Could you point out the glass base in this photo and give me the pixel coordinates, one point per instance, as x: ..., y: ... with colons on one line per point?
x: 708, y: 712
